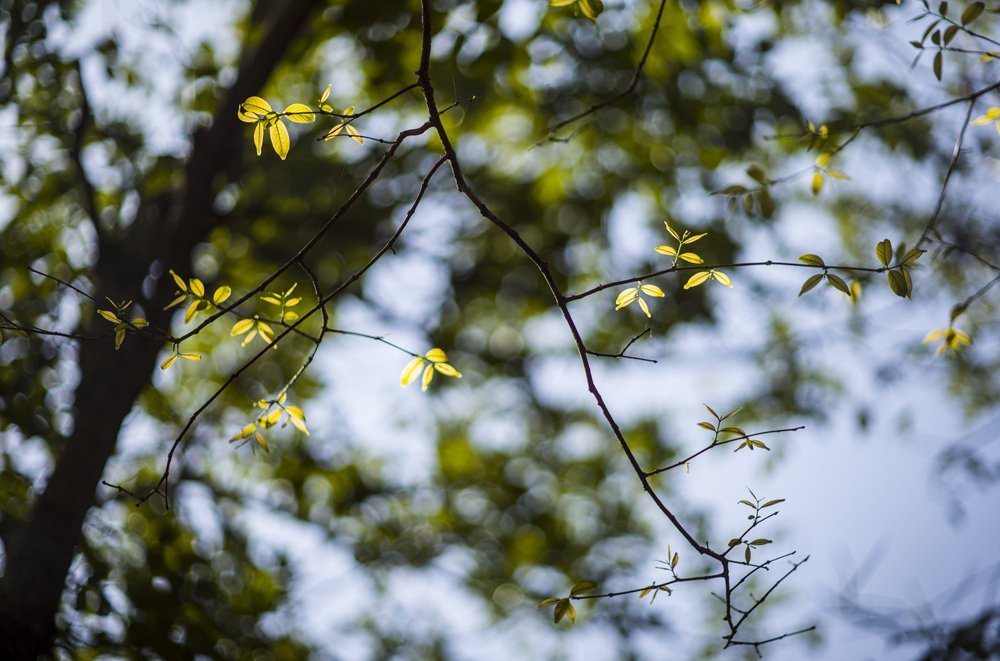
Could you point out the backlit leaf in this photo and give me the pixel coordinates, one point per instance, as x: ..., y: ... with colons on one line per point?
x: 279, y: 139
x: 697, y: 279
x: 300, y: 113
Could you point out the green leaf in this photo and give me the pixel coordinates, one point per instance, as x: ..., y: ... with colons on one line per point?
x: 838, y: 283
x: 897, y: 283
x: 950, y: 33
x: 548, y: 602
x: 746, y: 553
x: 757, y: 173
x: 564, y: 608
x: 582, y: 588
x: 760, y: 542
x: 766, y: 203
x: 707, y: 425
x: 812, y: 260
x: 908, y: 281
x: 733, y: 190
x: 972, y: 12
x: 771, y: 503
x: 883, y: 251
x: 811, y: 282
x: 733, y: 542
x: 711, y: 410
x: 912, y: 256
x: 937, y: 63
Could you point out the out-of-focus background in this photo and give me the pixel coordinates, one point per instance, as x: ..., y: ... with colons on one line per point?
x: 416, y: 524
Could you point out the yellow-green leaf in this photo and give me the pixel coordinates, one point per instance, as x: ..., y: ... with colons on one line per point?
x: 411, y: 370
x: 671, y: 230
x: 265, y: 331
x: 197, y: 287
x: 334, y: 132
x: 436, y: 355
x: 244, y: 433
x: 258, y: 136
x: 261, y: 441
x: 697, y: 279
x: 355, y: 135
x: 326, y: 93
x: 691, y: 257
x: 179, y: 281
x: 591, y: 9
x: 168, y: 362
x: 300, y: 113
x: 273, y: 417
x: 177, y: 301
x: 256, y: 105
x: 811, y: 282
x: 190, y: 356
x: 221, y: 294
x: 139, y: 322
x: 883, y: 251
x: 428, y: 375
x: 192, y: 311
x: 666, y: 250
x: 723, y: 278
x: 652, y: 290
x: 110, y: 316
x: 279, y: 139
x: 817, y: 183
x: 299, y: 424
x: 447, y: 370
x: 241, y: 326
x: 626, y: 297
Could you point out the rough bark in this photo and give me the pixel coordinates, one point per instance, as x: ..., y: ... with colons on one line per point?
x: 39, y: 553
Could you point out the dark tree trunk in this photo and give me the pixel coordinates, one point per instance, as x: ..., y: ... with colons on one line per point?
x: 39, y: 553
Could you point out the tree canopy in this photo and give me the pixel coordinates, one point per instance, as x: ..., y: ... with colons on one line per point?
x: 602, y: 246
